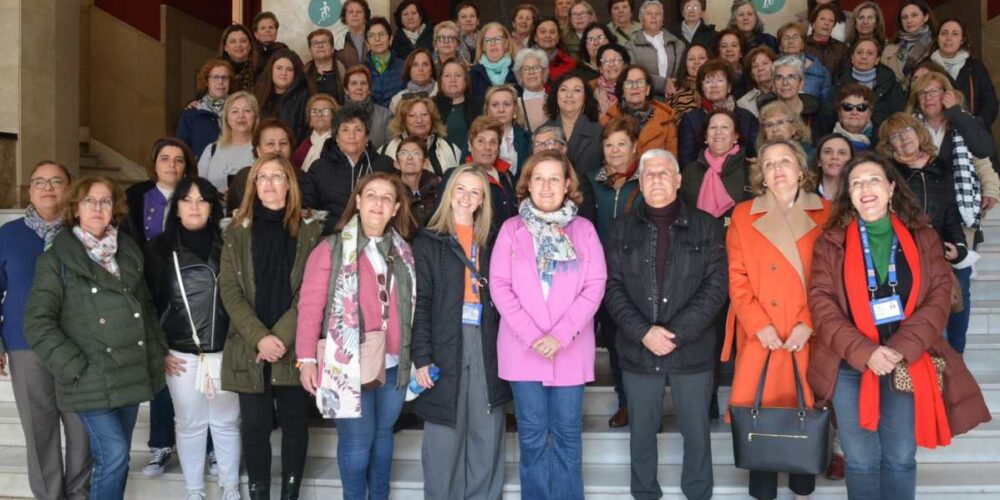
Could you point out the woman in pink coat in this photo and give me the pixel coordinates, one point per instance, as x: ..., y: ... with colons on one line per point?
x: 547, y: 274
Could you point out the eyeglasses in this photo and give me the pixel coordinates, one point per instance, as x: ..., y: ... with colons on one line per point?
x: 41, y: 182
x: 634, y: 84
x: 775, y: 124
x: 277, y: 179
x: 446, y: 38
x: 786, y: 78
x: 791, y: 38
x: 848, y: 107
x: 597, y: 39
x: 496, y: 40
x: 546, y: 145
x: 898, y: 136
x: 377, y: 35
x: 383, y: 291
x: 319, y: 43
x: 320, y: 112
x: 97, y: 204
x: 219, y: 78
x: 930, y: 93
x: 871, y: 182
x: 530, y: 70
x: 612, y: 61
x: 402, y: 153
x: 579, y: 15
x: 692, y: 7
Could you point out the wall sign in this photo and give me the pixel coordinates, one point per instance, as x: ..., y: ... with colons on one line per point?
x: 769, y: 6
x: 326, y: 12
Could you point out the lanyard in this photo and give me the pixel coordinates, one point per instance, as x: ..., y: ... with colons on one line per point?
x: 473, y: 275
x: 870, y: 266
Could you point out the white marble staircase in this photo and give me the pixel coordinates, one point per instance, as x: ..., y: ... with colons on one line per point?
x: 969, y: 468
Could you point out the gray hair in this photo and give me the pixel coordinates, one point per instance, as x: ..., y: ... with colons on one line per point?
x: 555, y: 130
x: 793, y: 62
x: 524, y: 54
x: 649, y: 3
x: 757, y: 28
x: 658, y: 153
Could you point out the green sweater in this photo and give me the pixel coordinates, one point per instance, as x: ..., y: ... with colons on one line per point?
x: 880, y: 241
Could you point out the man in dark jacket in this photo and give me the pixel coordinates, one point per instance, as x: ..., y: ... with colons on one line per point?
x: 667, y: 279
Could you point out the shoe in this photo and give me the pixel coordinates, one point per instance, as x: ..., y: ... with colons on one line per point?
x: 260, y: 490
x: 835, y: 470
x: 213, y: 464
x: 231, y: 493
x: 619, y: 419
x: 158, y: 462
x: 290, y: 487
x: 195, y: 495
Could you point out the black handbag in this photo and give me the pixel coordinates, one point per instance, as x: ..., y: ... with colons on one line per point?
x: 793, y: 440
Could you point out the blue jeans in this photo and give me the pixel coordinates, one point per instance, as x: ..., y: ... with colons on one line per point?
x: 880, y: 465
x: 364, y: 444
x: 550, y: 471
x: 110, y: 433
x: 958, y: 323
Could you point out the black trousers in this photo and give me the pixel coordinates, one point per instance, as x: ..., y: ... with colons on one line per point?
x: 290, y: 404
x: 764, y: 485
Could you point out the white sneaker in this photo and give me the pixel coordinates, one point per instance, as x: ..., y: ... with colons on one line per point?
x: 158, y: 462
x: 195, y: 495
x: 231, y: 493
x: 213, y: 464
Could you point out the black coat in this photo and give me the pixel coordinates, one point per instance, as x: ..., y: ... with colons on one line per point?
x: 290, y: 107
x: 330, y: 180
x: 472, y: 105
x: 401, y: 45
x: 584, y: 148
x: 503, y: 197
x: 133, y: 224
x: 691, y: 133
x: 437, y: 326
x: 977, y: 137
x: 980, y: 96
x: 934, y: 190
x: 696, y: 288
x: 201, y: 282
x: 704, y: 35
x: 735, y: 177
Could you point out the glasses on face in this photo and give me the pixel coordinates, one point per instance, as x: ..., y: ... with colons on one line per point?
x: 871, y: 182
x: 775, y: 124
x: 547, y: 145
x: 786, y: 78
x: 930, y: 93
x: 319, y: 44
x: 692, y: 7
x: 446, y: 38
x: 321, y: 112
x: 276, y: 179
x: 491, y: 41
x: 596, y: 39
x: 612, y: 61
x: 794, y: 37
x: 41, y: 182
x: 377, y: 35
x: 531, y: 70
x: 867, y: 18
x: 897, y: 137
x: 102, y: 204
x: 848, y: 107
x: 219, y: 78
x: 634, y: 84
x: 579, y: 15
x: 409, y: 154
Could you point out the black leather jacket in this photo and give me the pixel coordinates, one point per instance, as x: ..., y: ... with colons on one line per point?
x: 201, y: 284
x: 934, y: 190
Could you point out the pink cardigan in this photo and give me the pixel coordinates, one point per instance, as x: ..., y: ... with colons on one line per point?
x: 568, y: 313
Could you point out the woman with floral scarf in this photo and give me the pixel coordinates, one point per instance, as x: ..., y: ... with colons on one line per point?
x: 201, y: 123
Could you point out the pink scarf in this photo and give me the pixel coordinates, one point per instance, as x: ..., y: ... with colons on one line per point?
x: 604, y: 93
x: 712, y: 196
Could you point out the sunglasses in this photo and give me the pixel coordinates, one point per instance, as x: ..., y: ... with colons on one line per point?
x: 848, y: 107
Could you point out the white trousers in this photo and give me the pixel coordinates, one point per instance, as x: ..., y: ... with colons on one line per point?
x: 193, y: 415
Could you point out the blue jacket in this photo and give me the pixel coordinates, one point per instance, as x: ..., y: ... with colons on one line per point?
x: 818, y: 80
x: 387, y: 84
x: 198, y: 128
x: 481, y: 82
x: 19, y: 249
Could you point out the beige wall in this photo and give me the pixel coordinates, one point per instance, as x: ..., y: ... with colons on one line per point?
x: 11, y: 41
x: 718, y: 14
x: 189, y: 42
x: 295, y: 22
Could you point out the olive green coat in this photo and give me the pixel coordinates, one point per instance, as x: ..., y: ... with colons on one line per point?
x: 240, y: 370
x: 98, y: 335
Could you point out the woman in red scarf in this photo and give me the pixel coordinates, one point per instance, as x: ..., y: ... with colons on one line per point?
x: 864, y: 336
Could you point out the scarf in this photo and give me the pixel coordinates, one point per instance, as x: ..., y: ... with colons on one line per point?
x: 604, y: 94
x: 931, y: 420
x: 553, y: 248
x: 45, y: 230
x: 496, y: 71
x: 968, y: 192
x: 708, y: 106
x: 425, y: 90
x: 413, y: 36
x: 913, y: 47
x: 340, y: 378
x: 641, y: 115
x: 953, y: 65
x: 856, y: 140
x: 866, y: 77
x: 379, y: 63
x: 615, y: 181
x: 712, y: 196
x: 103, y: 250
x: 209, y: 103
x: 689, y: 32
x: 316, y: 142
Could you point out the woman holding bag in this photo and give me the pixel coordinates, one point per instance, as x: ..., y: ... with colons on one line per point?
x: 770, y: 243
x: 865, y: 339
x: 361, y: 379
x: 182, y: 270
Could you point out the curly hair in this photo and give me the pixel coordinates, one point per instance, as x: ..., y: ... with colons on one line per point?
x: 397, y: 126
x: 206, y: 69
x: 902, y: 203
x: 590, y: 108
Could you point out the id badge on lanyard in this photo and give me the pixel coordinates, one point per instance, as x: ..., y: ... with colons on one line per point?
x: 472, y: 312
x: 887, y: 309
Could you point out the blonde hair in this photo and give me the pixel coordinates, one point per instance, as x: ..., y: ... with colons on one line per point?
x: 518, y: 116
x: 778, y: 108
x: 897, y: 122
x: 918, y: 85
x: 443, y: 220
x: 398, y: 124
x: 227, y: 133
x: 293, y: 201
x: 807, y: 180
x: 482, y: 35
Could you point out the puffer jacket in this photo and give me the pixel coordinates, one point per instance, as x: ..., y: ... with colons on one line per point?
x: 201, y: 286
x: 934, y: 190
x: 97, y: 334
x: 388, y: 83
x: 240, y: 370
x: 698, y: 284
x: 437, y: 327
x: 331, y: 179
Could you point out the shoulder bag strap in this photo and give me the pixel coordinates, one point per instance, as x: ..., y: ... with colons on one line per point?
x: 187, y: 305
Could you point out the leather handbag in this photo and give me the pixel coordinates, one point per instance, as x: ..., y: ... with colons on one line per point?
x: 793, y: 440
x: 901, y: 381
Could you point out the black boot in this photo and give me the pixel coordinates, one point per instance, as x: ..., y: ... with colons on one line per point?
x: 290, y: 485
x: 260, y: 490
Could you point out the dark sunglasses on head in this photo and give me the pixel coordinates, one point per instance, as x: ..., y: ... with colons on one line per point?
x: 848, y: 107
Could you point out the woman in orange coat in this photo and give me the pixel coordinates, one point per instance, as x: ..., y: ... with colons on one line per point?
x: 770, y: 246
x: 657, y: 121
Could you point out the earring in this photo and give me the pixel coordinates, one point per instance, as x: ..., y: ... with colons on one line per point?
x: 764, y: 183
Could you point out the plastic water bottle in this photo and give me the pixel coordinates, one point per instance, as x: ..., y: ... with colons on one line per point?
x: 413, y: 389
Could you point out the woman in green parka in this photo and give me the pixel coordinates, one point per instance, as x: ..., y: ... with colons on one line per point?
x: 263, y: 257
x: 91, y: 321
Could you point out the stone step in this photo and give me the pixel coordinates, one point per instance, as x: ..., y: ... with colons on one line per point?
x: 937, y: 481
x: 986, y: 286
x: 982, y: 353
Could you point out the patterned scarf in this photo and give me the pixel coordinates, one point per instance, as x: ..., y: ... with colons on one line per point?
x: 604, y: 94
x: 45, y: 230
x: 496, y: 71
x: 728, y: 104
x: 103, y: 250
x: 553, y: 249
x: 209, y: 103
x: 379, y: 63
x: 340, y: 381
x: 968, y: 192
x: 913, y: 48
x: 863, y: 140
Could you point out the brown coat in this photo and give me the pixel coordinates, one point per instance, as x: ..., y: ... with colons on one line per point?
x: 660, y: 131
x: 838, y: 339
x: 769, y: 265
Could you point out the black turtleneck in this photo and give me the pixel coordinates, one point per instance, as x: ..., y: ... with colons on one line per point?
x: 198, y: 242
x: 273, y: 250
x: 662, y: 218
